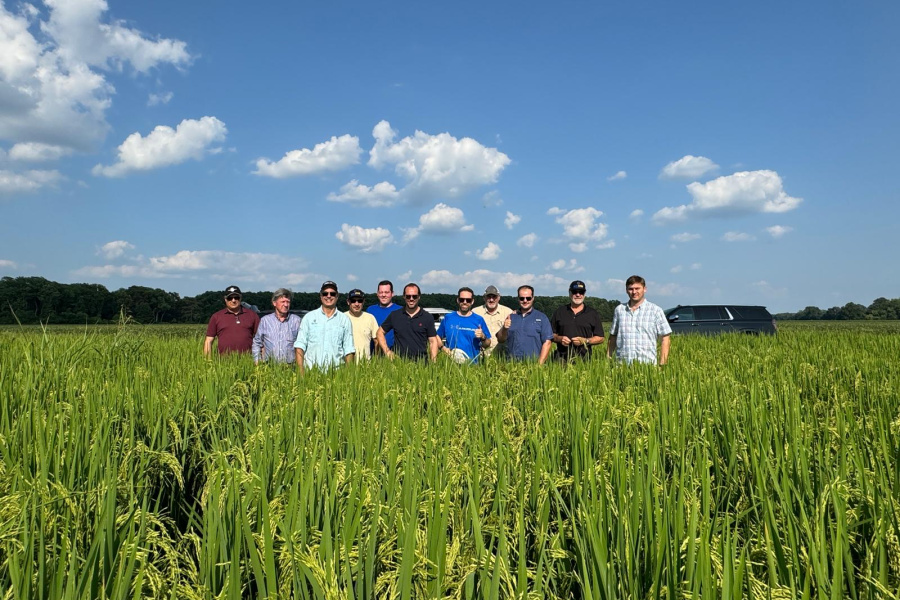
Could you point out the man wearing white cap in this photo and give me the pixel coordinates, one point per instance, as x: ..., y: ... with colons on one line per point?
x: 494, y: 314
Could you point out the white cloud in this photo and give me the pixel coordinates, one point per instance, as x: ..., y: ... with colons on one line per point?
x: 636, y: 214
x: 351, y: 277
x: 366, y: 240
x: 777, y: 231
x: 685, y: 237
x: 441, y: 219
x: 27, y: 181
x: 619, y: 175
x: 489, y: 252
x: 165, y: 146
x: 737, y: 236
x: 435, y: 166
x: 511, y: 220
x: 578, y: 247
x: 606, y: 245
x: 508, y: 282
x: 688, y: 167
x: 696, y: 266
x: 676, y: 269
x: 563, y: 265
x: 491, y: 199
x: 111, y: 250
x: 335, y: 154
x: 527, y: 241
x: 157, y: 99
x: 380, y: 195
x: 38, y: 152
x: 741, y: 193
x: 580, y: 225
x: 7, y: 264
x: 52, y: 87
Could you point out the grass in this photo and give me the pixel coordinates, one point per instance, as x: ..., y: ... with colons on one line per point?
x: 760, y: 467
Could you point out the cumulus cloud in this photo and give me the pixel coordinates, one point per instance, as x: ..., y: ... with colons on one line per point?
x: 636, y: 214
x: 38, y: 152
x: 562, y: 265
x: 7, y: 264
x: 619, y: 175
x: 580, y: 226
x: 741, y: 193
x: 441, y: 219
x: 737, y: 236
x: 508, y: 282
x: 511, y: 220
x: 688, y: 167
x: 27, y: 181
x: 380, y: 195
x: 685, y: 237
x: 527, y: 241
x: 491, y: 199
x: 53, y: 87
x: 777, y: 231
x: 489, y: 252
x: 366, y: 240
x: 158, y: 99
x: 164, y: 146
x: 111, y: 250
x: 606, y: 245
x: 335, y: 154
x: 676, y: 269
x: 435, y: 166
x: 351, y: 277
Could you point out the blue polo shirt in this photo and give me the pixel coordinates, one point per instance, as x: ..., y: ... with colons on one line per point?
x: 380, y: 315
x: 527, y: 334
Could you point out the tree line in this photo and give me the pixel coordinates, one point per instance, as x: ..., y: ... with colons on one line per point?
x: 30, y: 300
x: 881, y: 309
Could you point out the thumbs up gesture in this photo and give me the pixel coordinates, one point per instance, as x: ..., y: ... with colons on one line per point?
x: 507, y: 323
x: 479, y: 334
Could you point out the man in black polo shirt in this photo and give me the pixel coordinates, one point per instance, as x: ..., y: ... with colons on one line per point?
x: 414, y: 334
x: 576, y: 326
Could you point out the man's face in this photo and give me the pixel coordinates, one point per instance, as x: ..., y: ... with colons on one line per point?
x: 282, y: 306
x: 385, y: 295
x: 329, y: 298
x: 465, y: 300
x: 411, y: 297
x: 233, y: 302
x: 577, y: 298
x: 491, y: 301
x: 355, y: 305
x: 635, y: 292
x: 526, y: 299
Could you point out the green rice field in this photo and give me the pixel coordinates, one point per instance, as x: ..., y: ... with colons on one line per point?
x: 749, y: 467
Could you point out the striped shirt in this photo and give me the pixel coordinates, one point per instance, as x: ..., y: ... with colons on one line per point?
x: 274, y: 340
x: 637, y: 330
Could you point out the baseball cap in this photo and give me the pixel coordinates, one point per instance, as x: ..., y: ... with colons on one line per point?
x: 328, y: 285
x: 577, y: 286
x: 491, y: 290
x: 356, y: 294
x: 231, y: 290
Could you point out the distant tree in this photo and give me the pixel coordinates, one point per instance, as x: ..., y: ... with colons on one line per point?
x: 810, y: 313
x: 882, y: 308
x: 853, y: 311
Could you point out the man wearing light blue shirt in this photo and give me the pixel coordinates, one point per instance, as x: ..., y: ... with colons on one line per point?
x: 274, y: 339
x: 326, y: 334
x: 637, y: 326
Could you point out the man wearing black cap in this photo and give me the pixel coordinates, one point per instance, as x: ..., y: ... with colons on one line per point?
x: 576, y: 326
x: 325, y: 339
x: 365, y: 327
x: 233, y: 325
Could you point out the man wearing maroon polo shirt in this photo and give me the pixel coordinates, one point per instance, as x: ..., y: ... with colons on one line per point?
x: 233, y: 325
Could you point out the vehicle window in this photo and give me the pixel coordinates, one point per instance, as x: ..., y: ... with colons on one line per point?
x: 684, y: 314
x: 707, y: 313
x: 750, y: 313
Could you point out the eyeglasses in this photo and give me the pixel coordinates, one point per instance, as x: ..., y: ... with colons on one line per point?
x: 577, y: 293
x: 492, y: 297
x: 356, y: 300
x: 230, y: 298
x: 329, y: 294
x: 465, y: 300
x: 411, y: 296
x: 525, y: 298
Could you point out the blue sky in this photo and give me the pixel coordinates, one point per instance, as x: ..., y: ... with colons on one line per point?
x: 724, y: 152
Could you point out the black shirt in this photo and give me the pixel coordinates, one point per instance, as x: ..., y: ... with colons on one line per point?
x: 411, y: 333
x: 585, y: 324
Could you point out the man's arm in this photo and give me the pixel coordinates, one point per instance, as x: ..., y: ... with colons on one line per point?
x: 504, y: 331
x: 434, y: 345
x: 207, y: 345
x: 664, y: 350
x: 545, y: 352
x: 298, y: 358
x: 256, y: 348
x: 349, y: 358
x: 611, y: 347
x: 382, y: 343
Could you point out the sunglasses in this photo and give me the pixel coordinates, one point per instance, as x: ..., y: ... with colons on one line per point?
x: 492, y: 297
x: 356, y: 300
x: 411, y: 296
x: 230, y: 298
x: 329, y: 294
x: 524, y: 298
x: 577, y: 292
x: 465, y: 300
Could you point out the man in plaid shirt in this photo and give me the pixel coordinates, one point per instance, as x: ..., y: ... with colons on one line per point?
x: 636, y: 326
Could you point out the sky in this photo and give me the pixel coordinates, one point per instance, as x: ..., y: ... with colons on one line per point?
x: 725, y: 152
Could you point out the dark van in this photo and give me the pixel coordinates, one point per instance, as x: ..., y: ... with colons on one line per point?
x: 710, y: 319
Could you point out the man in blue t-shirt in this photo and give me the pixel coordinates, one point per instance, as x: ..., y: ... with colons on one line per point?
x: 464, y: 331
x: 381, y: 310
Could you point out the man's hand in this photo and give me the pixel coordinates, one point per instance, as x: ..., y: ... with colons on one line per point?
x: 565, y: 340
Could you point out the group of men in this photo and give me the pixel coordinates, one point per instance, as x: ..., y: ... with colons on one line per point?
x: 326, y: 337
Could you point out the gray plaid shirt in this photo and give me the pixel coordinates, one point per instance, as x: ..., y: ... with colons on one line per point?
x: 637, y: 330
